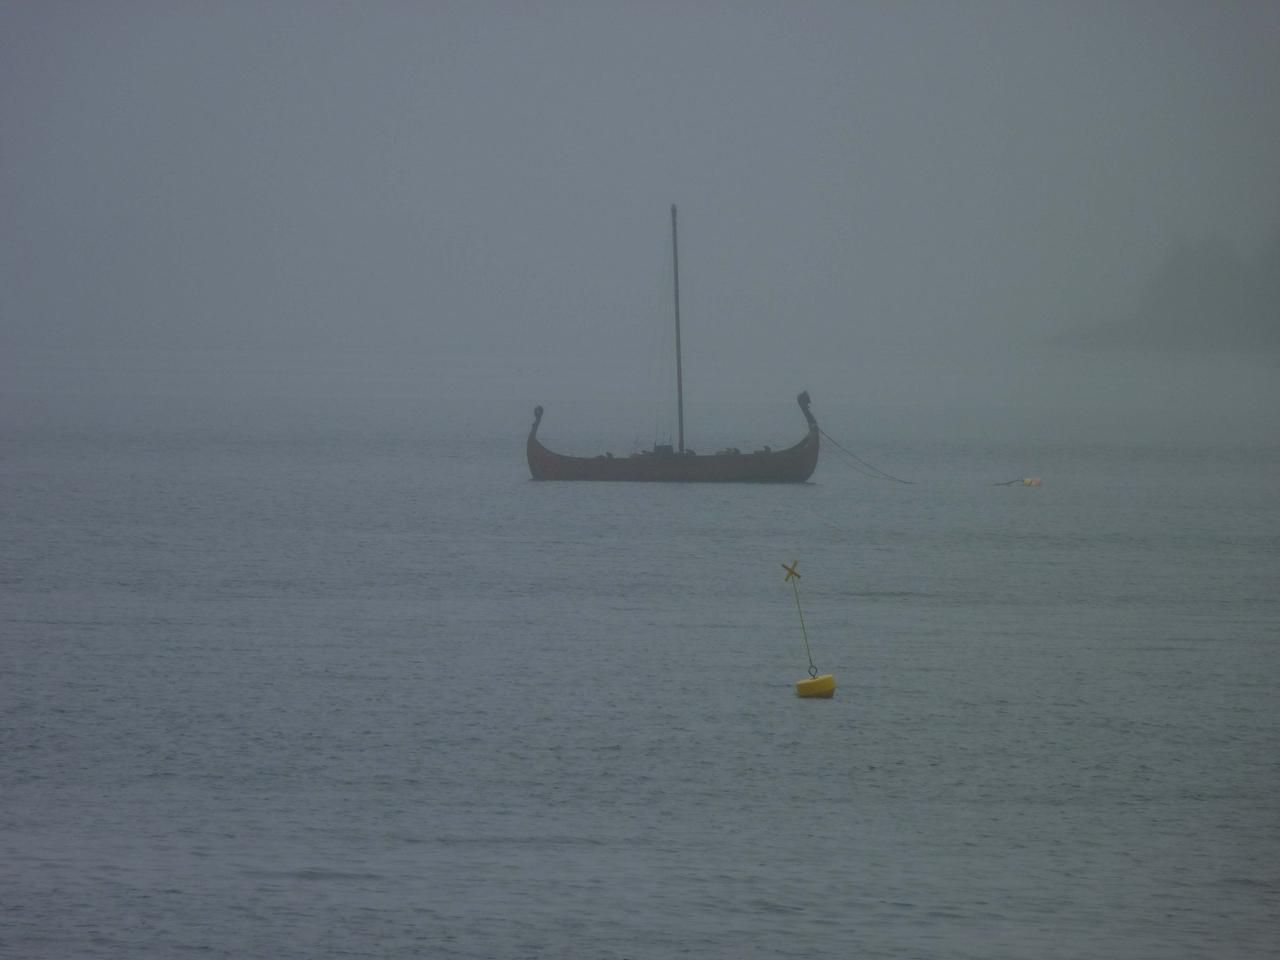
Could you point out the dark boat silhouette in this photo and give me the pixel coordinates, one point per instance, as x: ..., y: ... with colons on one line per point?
x: 667, y: 464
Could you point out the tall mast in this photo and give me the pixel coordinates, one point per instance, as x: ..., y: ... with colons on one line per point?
x: 675, y: 262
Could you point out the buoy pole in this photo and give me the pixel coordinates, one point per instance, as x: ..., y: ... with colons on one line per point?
x: 815, y: 686
x: 813, y: 671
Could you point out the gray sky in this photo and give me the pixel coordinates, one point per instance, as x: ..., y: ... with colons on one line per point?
x: 860, y: 185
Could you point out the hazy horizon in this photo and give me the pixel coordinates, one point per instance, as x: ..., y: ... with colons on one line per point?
x: 899, y: 208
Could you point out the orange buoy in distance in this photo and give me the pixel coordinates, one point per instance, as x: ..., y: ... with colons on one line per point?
x: 823, y: 686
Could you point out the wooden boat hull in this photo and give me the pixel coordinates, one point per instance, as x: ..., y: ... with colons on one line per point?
x: 795, y: 464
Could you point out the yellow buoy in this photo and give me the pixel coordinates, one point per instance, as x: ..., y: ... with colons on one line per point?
x: 823, y: 686
x: 814, y: 686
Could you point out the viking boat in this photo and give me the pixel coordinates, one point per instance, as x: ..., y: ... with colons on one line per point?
x: 668, y: 464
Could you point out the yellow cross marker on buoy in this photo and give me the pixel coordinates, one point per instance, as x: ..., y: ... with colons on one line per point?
x: 815, y: 686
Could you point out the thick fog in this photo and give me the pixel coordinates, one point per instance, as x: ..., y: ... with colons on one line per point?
x: 980, y: 218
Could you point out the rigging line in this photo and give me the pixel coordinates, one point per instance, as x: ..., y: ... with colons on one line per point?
x: 857, y: 466
x: 862, y: 471
x: 877, y: 471
x: 870, y: 466
x: 853, y: 465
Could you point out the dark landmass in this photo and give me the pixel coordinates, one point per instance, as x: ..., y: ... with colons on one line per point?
x: 1204, y: 297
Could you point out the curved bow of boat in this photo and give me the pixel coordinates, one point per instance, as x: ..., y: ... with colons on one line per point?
x: 540, y: 458
x: 803, y: 400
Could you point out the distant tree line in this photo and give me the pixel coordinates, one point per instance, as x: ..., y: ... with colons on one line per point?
x: 1205, y: 296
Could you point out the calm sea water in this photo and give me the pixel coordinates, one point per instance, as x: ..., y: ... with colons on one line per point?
x: 312, y: 690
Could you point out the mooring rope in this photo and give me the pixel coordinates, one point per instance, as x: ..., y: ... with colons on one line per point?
x: 875, y: 472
